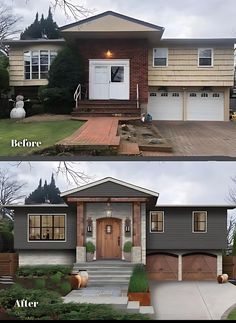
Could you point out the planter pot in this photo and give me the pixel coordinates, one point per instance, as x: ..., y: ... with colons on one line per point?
x: 143, y: 298
x: 127, y: 256
x: 89, y: 256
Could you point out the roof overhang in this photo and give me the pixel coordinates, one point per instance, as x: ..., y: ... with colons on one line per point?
x: 113, y: 180
x: 40, y: 41
x: 112, y: 25
x: 198, y: 41
x: 18, y: 206
x: 197, y: 206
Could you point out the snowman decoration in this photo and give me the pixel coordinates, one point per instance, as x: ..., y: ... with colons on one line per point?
x: 18, y: 112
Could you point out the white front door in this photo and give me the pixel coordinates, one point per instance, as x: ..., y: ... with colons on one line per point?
x: 109, y: 79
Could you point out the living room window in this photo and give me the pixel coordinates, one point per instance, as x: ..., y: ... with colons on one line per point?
x: 199, y: 221
x: 160, y: 57
x: 157, y: 221
x: 37, y: 64
x: 205, y: 57
x: 46, y: 227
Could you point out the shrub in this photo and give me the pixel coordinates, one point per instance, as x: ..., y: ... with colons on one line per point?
x: 4, y: 80
x: 40, y: 283
x: 56, y: 278
x: 90, y: 247
x: 7, y: 241
x: 5, y: 108
x: 57, y: 100
x: 67, y: 70
x: 66, y: 287
x: 138, y: 281
x: 127, y: 246
x: 45, y: 270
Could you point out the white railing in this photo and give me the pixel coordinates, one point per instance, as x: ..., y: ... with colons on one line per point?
x: 137, y: 98
x: 77, y: 96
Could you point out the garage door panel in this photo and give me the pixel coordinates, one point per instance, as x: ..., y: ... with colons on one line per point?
x: 162, y: 267
x: 199, y: 267
x: 166, y: 105
x: 205, y: 106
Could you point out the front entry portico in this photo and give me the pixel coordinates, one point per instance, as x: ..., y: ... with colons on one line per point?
x: 109, y: 79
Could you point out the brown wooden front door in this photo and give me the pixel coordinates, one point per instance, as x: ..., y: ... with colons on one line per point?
x: 199, y: 267
x: 162, y: 267
x: 109, y: 239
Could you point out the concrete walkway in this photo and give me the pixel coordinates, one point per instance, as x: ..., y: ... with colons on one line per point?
x: 191, y: 300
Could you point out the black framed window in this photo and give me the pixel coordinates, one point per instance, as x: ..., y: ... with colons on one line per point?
x: 157, y: 221
x: 200, y: 221
x: 47, y: 227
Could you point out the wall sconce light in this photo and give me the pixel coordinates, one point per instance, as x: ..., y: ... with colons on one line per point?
x: 127, y: 227
x: 109, y: 210
x: 89, y: 227
x: 108, y: 53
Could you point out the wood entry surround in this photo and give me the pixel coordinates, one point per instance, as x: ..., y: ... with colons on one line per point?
x: 109, y: 238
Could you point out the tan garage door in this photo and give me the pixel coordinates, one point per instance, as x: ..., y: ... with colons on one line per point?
x: 162, y: 267
x: 199, y: 267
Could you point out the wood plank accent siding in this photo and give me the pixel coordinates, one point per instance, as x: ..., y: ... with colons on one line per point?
x: 183, y: 68
x: 101, y: 199
x: 80, y: 224
x: 9, y: 262
x: 136, y: 224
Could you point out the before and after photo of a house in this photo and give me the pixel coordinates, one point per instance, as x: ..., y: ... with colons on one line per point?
x: 117, y: 160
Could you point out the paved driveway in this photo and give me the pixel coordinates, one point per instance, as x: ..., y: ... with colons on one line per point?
x: 192, y: 300
x: 200, y: 138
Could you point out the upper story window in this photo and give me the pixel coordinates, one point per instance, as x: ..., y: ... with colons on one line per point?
x: 157, y: 221
x: 160, y: 57
x: 199, y: 221
x: 205, y: 57
x: 46, y: 227
x: 37, y: 63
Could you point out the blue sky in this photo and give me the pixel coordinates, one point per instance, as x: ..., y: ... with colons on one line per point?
x: 181, y: 18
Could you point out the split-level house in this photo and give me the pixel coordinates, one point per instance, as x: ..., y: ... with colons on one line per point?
x: 132, y: 69
x: 174, y: 242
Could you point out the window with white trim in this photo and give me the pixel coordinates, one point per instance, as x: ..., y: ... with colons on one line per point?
x: 199, y: 221
x: 193, y: 95
x: 46, y: 227
x: 215, y: 95
x: 160, y: 57
x: 37, y: 64
x: 157, y: 221
x: 204, y: 95
x: 205, y: 57
x: 164, y: 94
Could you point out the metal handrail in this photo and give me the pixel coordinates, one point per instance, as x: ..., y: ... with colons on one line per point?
x: 77, y: 95
x: 138, y: 105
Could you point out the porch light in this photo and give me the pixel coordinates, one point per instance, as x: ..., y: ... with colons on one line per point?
x: 108, y: 53
x: 109, y: 210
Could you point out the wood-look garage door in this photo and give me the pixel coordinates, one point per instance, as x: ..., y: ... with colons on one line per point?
x: 205, y: 106
x: 166, y: 105
x: 199, y: 267
x: 162, y: 267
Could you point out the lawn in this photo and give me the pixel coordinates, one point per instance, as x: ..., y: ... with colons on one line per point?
x: 46, y: 132
x: 232, y: 315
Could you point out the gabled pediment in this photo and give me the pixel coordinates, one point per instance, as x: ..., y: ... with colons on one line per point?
x: 111, y: 22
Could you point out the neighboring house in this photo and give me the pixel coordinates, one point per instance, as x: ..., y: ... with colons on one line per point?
x: 175, y: 242
x: 128, y: 60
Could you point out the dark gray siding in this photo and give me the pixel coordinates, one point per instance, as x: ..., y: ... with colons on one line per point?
x: 21, y: 229
x: 110, y: 189
x: 178, y: 230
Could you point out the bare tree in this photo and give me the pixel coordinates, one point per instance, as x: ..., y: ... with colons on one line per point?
x: 10, y: 188
x: 71, y: 8
x: 8, y: 23
x: 231, y: 230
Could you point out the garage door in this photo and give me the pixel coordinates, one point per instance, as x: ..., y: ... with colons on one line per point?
x: 166, y: 105
x: 205, y: 106
x: 199, y: 267
x: 162, y: 267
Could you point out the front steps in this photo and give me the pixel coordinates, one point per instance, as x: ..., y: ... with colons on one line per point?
x: 107, y: 108
x: 107, y: 273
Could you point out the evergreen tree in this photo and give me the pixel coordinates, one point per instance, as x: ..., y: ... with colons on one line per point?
x: 234, y: 246
x: 43, y: 28
x: 48, y: 193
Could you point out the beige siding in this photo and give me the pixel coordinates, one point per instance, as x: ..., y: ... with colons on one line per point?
x: 16, y: 60
x: 183, y: 70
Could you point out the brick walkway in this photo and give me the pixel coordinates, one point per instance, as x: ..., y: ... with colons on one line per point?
x: 200, y: 138
x: 95, y: 132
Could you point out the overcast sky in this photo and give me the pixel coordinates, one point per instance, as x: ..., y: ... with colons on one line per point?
x: 181, y: 18
x: 177, y: 182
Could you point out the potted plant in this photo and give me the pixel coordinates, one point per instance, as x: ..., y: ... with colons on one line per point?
x: 90, y: 249
x: 127, y: 250
x: 138, y: 286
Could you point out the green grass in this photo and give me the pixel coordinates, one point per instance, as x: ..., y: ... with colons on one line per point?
x: 48, y: 133
x: 232, y: 315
